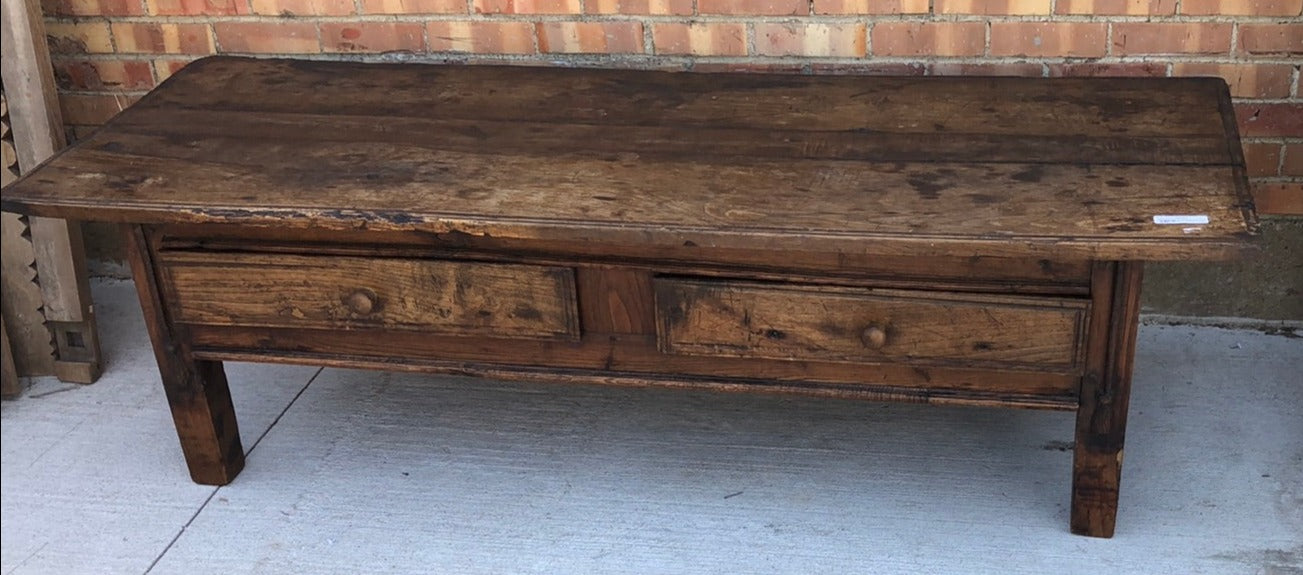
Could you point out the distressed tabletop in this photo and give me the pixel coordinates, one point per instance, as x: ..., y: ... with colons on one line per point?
x: 1068, y: 168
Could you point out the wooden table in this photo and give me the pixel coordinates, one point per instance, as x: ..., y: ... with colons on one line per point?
x: 972, y: 241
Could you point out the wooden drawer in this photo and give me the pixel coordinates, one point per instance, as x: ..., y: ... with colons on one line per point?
x: 814, y: 323
x: 269, y: 290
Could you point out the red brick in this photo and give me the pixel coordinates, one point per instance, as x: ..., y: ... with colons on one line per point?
x: 1166, y: 38
x: 869, y: 69
x: 1246, y: 80
x: 1271, y: 38
x: 1024, y: 69
x: 414, y: 7
x: 527, y: 6
x: 590, y: 37
x: 748, y: 67
x: 992, y: 6
x: 700, y: 39
x: 1292, y: 165
x: 929, y: 39
x: 658, y: 7
x: 93, y: 109
x: 801, y: 39
x: 290, y: 8
x: 92, y: 7
x: 162, y: 38
x: 1048, y: 39
x: 103, y: 74
x: 164, y: 69
x: 1118, y: 69
x: 1284, y: 199
x: 754, y: 7
x: 1242, y: 7
x: 79, y: 37
x: 267, y: 37
x: 198, y: 7
x: 372, y: 37
x: 1270, y: 120
x: 1262, y: 160
x: 1116, y: 7
x: 870, y: 6
x: 481, y: 37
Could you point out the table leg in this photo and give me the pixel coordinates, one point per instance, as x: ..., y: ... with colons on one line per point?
x: 1105, y: 395
x: 196, y: 389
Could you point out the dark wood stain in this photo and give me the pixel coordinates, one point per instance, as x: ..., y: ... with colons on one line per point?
x: 1105, y: 394
x: 434, y: 149
x: 866, y: 237
x: 717, y: 318
x: 928, y: 185
x: 1030, y: 175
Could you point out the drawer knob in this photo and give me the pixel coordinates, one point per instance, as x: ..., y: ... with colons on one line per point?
x: 874, y: 337
x: 361, y: 302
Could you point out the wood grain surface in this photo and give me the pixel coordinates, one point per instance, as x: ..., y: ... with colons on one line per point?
x: 503, y: 300
x: 949, y: 240
x: 628, y: 358
x: 975, y: 273
x: 37, y: 128
x: 197, y: 391
x: 1072, y: 168
x: 745, y: 319
x: 1105, y: 399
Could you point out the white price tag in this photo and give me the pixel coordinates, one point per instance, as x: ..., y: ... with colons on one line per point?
x: 1181, y: 220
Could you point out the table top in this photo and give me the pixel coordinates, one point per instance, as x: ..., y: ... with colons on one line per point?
x: 1076, y: 168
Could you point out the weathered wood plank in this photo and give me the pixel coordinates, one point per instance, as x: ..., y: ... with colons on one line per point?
x: 1231, y: 125
x: 31, y: 349
x: 976, y: 273
x: 1025, y: 106
x: 624, y: 354
x: 503, y: 300
x: 10, y: 385
x: 33, y: 103
x: 668, y: 142
x: 1070, y: 169
x: 65, y: 287
x: 21, y: 306
x: 37, y: 127
x: 1068, y: 211
x: 742, y: 319
x: 869, y: 392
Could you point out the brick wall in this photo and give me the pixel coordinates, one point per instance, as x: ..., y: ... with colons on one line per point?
x: 107, y: 53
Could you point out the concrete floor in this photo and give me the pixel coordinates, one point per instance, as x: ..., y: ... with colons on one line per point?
x: 361, y: 472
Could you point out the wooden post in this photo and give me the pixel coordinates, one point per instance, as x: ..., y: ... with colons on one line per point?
x: 38, y: 133
x: 65, y: 285
x: 21, y: 306
x: 1105, y: 397
x: 196, y: 389
x: 10, y: 386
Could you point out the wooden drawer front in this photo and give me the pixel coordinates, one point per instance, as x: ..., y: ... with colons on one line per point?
x: 502, y: 300
x: 744, y: 319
